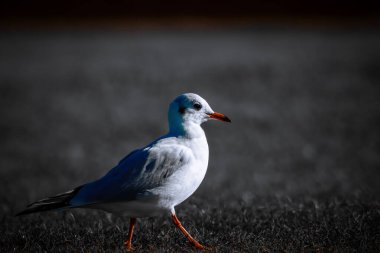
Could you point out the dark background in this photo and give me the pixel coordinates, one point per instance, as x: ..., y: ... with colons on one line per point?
x: 170, y: 8
x: 82, y: 85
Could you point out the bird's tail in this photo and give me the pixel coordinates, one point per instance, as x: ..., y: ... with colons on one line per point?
x: 56, y: 202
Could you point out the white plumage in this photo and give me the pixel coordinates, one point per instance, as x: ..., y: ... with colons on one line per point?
x: 154, y: 179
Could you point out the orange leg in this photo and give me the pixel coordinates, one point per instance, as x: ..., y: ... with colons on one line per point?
x: 128, y: 242
x: 189, y: 237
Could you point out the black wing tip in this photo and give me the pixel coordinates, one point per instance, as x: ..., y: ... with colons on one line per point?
x: 36, y: 210
x: 27, y: 211
x: 56, y: 202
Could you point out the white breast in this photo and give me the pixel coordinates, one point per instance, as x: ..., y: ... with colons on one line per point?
x: 186, y: 180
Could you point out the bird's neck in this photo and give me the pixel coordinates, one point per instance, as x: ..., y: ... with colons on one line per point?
x: 193, y: 136
x: 187, y: 130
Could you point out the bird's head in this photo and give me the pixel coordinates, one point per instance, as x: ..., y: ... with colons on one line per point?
x: 190, y: 108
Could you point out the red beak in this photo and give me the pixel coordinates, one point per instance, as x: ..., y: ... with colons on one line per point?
x: 219, y: 116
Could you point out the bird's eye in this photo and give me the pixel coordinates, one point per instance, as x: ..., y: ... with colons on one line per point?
x: 197, y: 106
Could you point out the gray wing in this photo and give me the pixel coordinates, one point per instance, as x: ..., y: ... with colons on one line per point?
x: 135, y: 175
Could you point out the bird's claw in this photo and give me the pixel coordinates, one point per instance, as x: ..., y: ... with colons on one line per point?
x: 207, y: 248
x: 128, y: 246
x: 204, y: 248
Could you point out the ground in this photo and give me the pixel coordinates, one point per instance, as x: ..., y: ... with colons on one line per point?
x: 297, y: 170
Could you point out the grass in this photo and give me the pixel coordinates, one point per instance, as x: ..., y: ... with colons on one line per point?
x: 297, y: 170
x: 274, y: 225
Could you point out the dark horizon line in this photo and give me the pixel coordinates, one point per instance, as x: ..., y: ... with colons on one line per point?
x: 172, y: 8
x: 189, y: 21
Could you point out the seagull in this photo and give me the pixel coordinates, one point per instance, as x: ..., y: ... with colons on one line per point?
x: 154, y: 179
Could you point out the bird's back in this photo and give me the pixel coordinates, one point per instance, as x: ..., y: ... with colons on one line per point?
x: 161, y: 175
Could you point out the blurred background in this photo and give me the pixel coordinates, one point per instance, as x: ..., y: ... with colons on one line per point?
x: 84, y: 83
